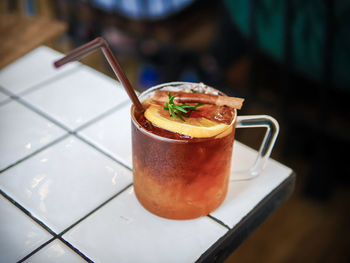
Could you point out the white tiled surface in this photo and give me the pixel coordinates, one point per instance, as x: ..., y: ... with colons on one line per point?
x: 19, y: 234
x: 64, y: 177
x: 86, y: 177
x: 139, y: 236
x: 33, y: 69
x: 78, y: 98
x: 3, y: 97
x: 23, y: 132
x: 113, y: 134
x: 243, y: 196
x: 55, y: 252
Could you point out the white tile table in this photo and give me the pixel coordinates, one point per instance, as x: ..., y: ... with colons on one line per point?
x: 3, y: 98
x: 66, y: 191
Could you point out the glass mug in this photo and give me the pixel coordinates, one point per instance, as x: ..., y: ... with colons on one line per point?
x: 185, y: 179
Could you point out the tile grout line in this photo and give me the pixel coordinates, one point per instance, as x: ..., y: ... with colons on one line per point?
x: 101, y: 151
x: 37, y: 249
x: 86, y: 258
x: 42, y: 83
x: 93, y: 211
x: 24, y: 210
x: 41, y: 113
x: 74, y: 132
x: 59, y: 236
x: 50, y: 241
x: 36, y: 152
x: 218, y: 221
x: 64, y: 127
x: 6, y: 100
x: 60, y: 75
x: 6, y: 91
x: 43, y: 225
x: 102, y: 115
x: 18, y: 98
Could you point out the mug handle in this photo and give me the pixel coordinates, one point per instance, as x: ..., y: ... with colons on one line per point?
x: 272, y: 129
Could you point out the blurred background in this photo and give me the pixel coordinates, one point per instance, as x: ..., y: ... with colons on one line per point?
x: 287, y: 58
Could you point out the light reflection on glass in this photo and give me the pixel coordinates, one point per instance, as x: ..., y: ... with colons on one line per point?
x: 28, y: 146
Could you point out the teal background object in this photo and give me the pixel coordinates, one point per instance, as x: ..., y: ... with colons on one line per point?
x: 308, y: 29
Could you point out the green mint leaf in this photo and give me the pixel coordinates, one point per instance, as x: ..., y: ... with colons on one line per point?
x: 177, y: 110
x: 198, y: 105
x: 180, y: 108
x: 171, y: 100
x: 173, y: 114
x: 186, y: 106
x: 181, y: 117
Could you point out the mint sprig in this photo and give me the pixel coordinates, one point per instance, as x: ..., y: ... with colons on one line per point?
x: 177, y: 110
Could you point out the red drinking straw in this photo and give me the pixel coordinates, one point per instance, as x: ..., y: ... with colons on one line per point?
x: 113, y: 62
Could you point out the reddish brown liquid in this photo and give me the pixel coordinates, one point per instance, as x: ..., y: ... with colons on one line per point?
x: 183, y: 177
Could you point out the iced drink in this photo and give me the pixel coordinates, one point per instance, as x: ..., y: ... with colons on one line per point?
x: 181, y: 166
x: 182, y: 160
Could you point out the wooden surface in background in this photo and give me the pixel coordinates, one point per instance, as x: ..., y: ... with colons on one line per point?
x: 21, y: 34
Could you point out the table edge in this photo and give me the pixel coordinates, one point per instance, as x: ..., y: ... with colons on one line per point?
x: 224, y: 246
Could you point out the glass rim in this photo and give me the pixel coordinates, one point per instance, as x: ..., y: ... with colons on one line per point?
x: 159, y: 86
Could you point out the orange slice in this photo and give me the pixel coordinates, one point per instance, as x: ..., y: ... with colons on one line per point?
x: 193, y: 127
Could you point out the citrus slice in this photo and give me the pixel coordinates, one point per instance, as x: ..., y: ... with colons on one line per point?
x: 193, y: 127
